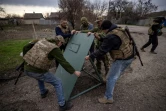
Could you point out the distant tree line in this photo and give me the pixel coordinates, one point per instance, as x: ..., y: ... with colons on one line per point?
x: 130, y: 11
x: 124, y: 10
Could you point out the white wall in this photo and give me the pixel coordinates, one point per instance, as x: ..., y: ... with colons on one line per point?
x: 35, y: 21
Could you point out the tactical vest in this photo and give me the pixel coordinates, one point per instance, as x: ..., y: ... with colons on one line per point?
x: 37, y: 56
x: 65, y: 31
x: 151, y: 32
x: 126, y: 49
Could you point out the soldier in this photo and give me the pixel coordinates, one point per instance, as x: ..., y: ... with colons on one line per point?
x: 99, y: 36
x: 38, y: 57
x: 85, y: 26
x: 118, y: 44
x: 63, y: 30
x: 153, y: 32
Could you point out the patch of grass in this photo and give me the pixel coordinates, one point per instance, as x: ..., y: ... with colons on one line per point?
x: 10, y: 53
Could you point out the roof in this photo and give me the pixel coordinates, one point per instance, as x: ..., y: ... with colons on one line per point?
x: 33, y: 16
x: 54, y: 15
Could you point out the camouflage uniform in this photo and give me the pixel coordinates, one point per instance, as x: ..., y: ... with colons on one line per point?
x: 86, y: 27
x: 105, y: 58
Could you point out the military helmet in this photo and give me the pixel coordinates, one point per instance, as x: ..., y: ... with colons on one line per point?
x: 60, y: 38
x: 84, y: 19
x: 99, y: 18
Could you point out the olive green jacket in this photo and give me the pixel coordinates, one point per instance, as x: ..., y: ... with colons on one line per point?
x: 56, y: 54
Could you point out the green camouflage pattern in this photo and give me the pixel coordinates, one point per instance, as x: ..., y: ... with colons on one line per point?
x: 105, y: 58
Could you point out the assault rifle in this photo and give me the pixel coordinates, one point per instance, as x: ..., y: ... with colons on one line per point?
x: 20, y: 69
x: 135, y: 50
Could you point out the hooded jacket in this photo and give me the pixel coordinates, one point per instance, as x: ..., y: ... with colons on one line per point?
x: 110, y: 42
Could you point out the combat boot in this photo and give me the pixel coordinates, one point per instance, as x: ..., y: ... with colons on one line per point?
x: 105, y: 101
x: 152, y: 52
x: 45, y: 94
x: 67, y: 106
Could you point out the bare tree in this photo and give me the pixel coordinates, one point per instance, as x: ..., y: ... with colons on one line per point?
x: 121, y: 4
x: 99, y: 7
x: 111, y: 10
x: 128, y: 10
x: 116, y: 8
x: 88, y: 11
x: 71, y: 9
x: 144, y: 7
x: 2, y: 11
x: 12, y: 16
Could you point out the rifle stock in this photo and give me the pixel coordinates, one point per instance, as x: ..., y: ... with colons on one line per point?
x: 20, y: 69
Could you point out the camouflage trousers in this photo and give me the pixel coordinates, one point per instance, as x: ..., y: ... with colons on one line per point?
x: 105, y: 60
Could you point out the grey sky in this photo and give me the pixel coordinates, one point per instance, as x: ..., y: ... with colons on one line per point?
x: 160, y: 3
x: 51, y: 3
x: 46, y: 6
x: 54, y: 3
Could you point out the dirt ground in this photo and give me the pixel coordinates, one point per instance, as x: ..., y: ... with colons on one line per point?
x: 138, y: 89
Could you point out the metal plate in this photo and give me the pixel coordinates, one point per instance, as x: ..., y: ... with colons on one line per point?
x: 76, y: 50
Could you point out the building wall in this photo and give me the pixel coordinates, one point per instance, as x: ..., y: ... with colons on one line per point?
x: 35, y: 21
x: 48, y: 22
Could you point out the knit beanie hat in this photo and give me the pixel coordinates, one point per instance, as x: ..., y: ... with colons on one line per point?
x: 106, y: 24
